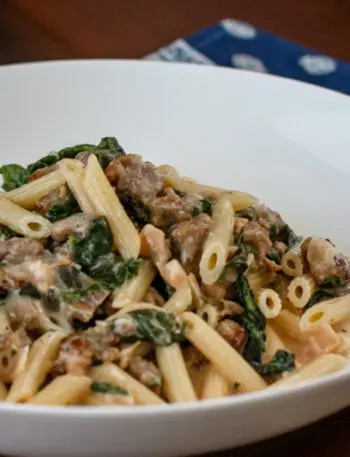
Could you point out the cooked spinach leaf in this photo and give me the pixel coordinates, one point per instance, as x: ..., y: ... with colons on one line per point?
x: 112, y: 271
x: 281, y: 361
x: 30, y: 291
x: 155, y: 326
x: 203, y: 206
x: 137, y: 212
x: 275, y: 256
x: 64, y: 209
x: 253, y: 321
x: 239, y: 261
x: 107, y: 150
x: 326, y: 291
x: 75, y: 295
x: 6, y: 233
x: 290, y: 237
x: 165, y: 289
x: 107, y: 388
x: 97, y: 242
x: 54, y: 157
x: 13, y: 176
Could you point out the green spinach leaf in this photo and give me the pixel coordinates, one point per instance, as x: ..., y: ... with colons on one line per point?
x: 203, y: 206
x: 107, y: 150
x: 74, y: 296
x: 275, y: 256
x: 107, y: 388
x: 13, y: 176
x: 97, y: 242
x: 155, y: 326
x: 112, y: 271
x: 63, y: 209
x: 6, y: 233
x: 30, y: 291
x: 281, y: 361
x: 253, y: 321
x: 239, y: 261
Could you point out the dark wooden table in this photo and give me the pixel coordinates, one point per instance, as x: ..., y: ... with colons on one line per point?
x: 57, y: 29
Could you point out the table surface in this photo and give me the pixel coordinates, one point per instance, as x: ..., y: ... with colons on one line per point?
x: 57, y: 29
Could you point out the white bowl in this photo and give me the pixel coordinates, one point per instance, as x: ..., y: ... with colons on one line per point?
x: 286, y: 142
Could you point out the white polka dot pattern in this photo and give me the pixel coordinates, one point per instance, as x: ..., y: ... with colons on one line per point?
x: 248, y: 62
x: 317, y: 65
x: 239, y: 29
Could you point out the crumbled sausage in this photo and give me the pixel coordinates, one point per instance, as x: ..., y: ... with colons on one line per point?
x: 24, y: 312
x: 75, y: 356
x: 77, y: 225
x: 233, y: 333
x: 258, y: 237
x: 146, y: 372
x: 17, y: 250
x: 136, y: 178
x: 56, y: 196
x: 188, y: 238
x: 171, y: 208
x: 103, y: 341
x: 327, y: 263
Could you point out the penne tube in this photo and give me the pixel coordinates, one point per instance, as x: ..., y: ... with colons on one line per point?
x: 215, y: 248
x: 226, y: 359
x: 135, y: 289
x: 29, y: 194
x: 210, y: 314
x: 289, y: 324
x: 326, y: 312
x: 215, y: 384
x: 168, y: 170
x: 41, y: 356
x: 106, y: 203
x: 292, y: 263
x: 179, y: 302
x: 177, y: 383
x: 239, y: 200
x: 323, y: 365
x: 23, y: 221
x: 73, y: 172
x: 154, y: 297
x: 63, y: 390
x: 97, y: 399
x: 269, y: 303
x: 111, y: 373
x: 3, y: 391
x: 300, y: 290
x: 174, y: 274
x: 272, y: 345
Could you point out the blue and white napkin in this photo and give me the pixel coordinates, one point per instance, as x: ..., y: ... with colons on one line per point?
x: 237, y: 44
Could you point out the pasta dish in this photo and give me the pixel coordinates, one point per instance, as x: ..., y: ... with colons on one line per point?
x: 125, y: 283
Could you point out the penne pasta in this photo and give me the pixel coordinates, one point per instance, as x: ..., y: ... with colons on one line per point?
x: 111, y: 373
x: 168, y: 170
x: 216, y: 246
x: 179, y: 302
x: 325, y: 364
x: 259, y: 279
x: 269, y: 303
x: 292, y: 263
x: 326, y: 312
x: 29, y: 194
x: 3, y: 391
x: 106, y: 203
x: 289, y: 324
x: 226, y: 359
x: 135, y: 289
x: 23, y: 221
x: 215, y: 384
x: 300, y: 290
x: 40, y: 358
x: 273, y: 344
x: 239, y: 200
x: 62, y: 391
x: 210, y: 314
x: 178, y: 386
x: 73, y: 172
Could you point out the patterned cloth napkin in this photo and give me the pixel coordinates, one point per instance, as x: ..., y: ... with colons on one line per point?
x: 237, y: 44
